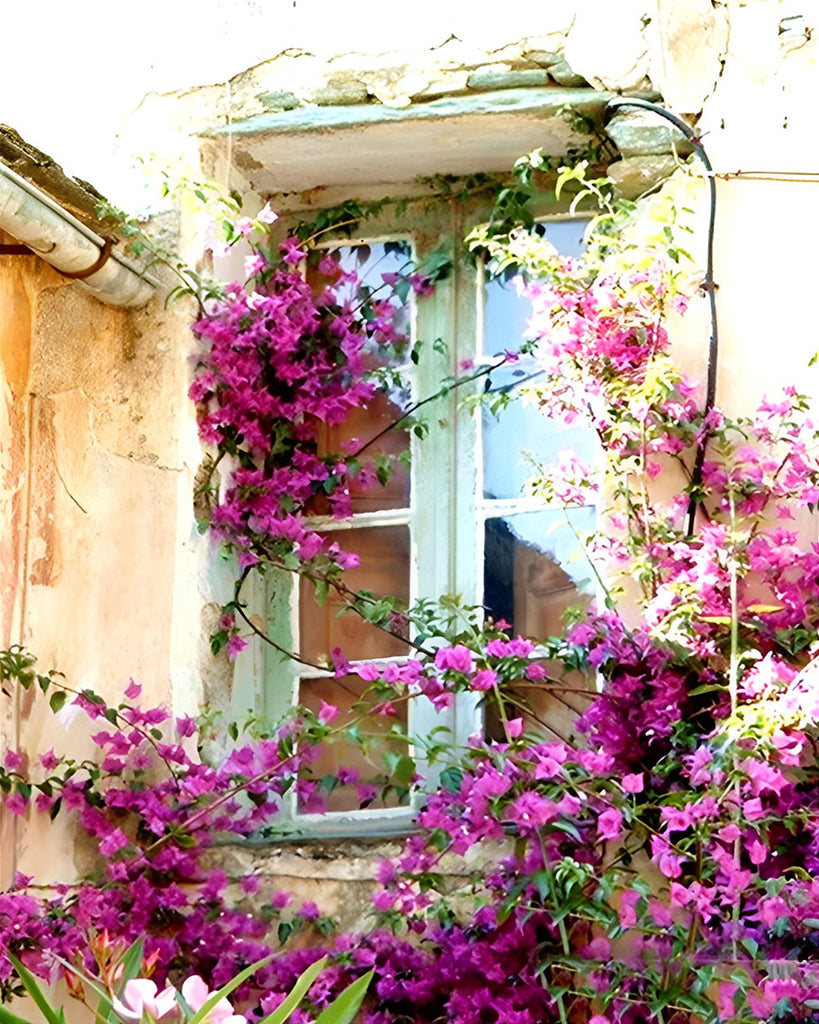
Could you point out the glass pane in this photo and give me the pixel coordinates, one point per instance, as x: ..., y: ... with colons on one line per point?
x: 384, y: 570
x: 506, y: 313
x: 390, y: 452
x: 358, y: 276
x: 366, y: 774
x: 519, y: 431
x: 535, y: 568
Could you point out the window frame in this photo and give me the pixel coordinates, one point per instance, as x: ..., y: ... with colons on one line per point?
x: 445, y: 557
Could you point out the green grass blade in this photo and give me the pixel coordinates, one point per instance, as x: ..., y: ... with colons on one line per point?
x: 7, y: 1017
x: 131, y: 967
x: 296, y: 993
x: 31, y: 985
x: 345, y: 1006
x: 132, y: 959
x: 225, y: 990
x: 84, y: 978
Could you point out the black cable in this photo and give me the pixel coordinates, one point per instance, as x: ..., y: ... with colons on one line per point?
x: 708, y: 284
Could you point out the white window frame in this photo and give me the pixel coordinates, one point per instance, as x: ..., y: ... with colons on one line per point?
x: 445, y: 557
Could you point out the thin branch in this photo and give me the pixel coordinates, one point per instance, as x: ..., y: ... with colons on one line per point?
x: 483, y: 372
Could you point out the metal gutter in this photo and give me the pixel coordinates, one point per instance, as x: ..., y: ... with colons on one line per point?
x: 68, y: 245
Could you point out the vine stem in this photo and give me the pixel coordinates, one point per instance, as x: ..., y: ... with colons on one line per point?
x: 733, y: 671
x: 483, y: 372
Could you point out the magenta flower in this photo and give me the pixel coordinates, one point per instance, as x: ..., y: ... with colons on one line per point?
x: 309, y: 911
x: 291, y: 251
x: 609, y: 824
x: 456, y: 659
x: 327, y: 712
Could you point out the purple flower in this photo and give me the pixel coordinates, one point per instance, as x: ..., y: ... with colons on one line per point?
x: 49, y: 760
x: 609, y: 824
x: 291, y: 251
x: 13, y: 760
x: 186, y: 725
x: 133, y: 690
x: 309, y: 911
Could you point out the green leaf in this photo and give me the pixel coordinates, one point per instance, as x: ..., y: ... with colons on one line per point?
x: 7, y: 1017
x: 184, y: 840
x: 295, y: 995
x: 218, y: 641
x: 451, y: 778
x: 57, y: 700
x: 225, y: 990
x: 132, y: 959
x: 52, y: 1014
x: 344, y: 1007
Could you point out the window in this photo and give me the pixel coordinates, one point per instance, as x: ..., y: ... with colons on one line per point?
x: 453, y: 519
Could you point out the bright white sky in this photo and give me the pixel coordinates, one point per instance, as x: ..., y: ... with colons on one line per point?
x: 69, y: 72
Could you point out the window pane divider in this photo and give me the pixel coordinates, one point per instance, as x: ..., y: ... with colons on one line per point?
x: 489, y: 508
x: 378, y: 517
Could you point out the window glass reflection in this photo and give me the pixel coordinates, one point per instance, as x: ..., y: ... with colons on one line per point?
x: 535, y: 567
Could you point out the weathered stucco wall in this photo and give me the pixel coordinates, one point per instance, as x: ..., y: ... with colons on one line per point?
x: 93, y: 407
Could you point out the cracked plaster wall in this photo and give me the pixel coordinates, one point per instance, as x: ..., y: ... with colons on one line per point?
x: 93, y: 419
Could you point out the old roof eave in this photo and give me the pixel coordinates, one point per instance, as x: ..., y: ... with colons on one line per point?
x: 63, y: 234
x: 372, y: 143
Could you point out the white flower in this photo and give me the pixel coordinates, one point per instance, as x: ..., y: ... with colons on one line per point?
x: 140, y: 996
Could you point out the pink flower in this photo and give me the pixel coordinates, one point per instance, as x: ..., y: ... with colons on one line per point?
x: 235, y: 645
x: 133, y: 691
x: 514, y: 727
x: 254, y: 265
x: 267, y: 215
x: 456, y: 659
x: 327, y: 712
x: 609, y: 824
x: 484, y: 679
x: 291, y: 251
x: 140, y: 997
x: 634, y: 783
x: 196, y: 993
x: 628, y: 903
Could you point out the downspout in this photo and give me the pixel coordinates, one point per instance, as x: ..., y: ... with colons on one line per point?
x: 708, y: 285
x: 67, y: 244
